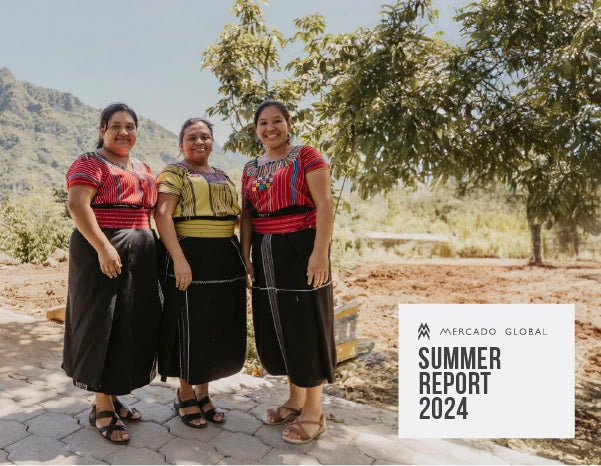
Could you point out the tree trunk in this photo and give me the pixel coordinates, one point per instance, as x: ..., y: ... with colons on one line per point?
x: 535, y: 236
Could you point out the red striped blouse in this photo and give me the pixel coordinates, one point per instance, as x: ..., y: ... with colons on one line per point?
x: 124, y: 198
x: 276, y: 185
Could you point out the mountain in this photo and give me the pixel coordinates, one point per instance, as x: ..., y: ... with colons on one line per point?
x: 43, y: 130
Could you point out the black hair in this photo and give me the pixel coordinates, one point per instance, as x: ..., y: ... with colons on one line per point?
x: 268, y: 103
x: 108, y: 112
x: 192, y: 121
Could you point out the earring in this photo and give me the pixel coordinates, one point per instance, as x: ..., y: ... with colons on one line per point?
x: 288, y: 138
x: 261, y: 146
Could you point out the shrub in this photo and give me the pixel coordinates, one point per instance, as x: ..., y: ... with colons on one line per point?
x: 33, y: 225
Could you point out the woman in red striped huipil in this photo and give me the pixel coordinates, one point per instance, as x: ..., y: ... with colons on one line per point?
x: 287, y: 218
x: 113, y: 304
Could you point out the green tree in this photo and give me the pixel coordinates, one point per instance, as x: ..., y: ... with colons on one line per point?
x: 34, y: 225
x: 528, y: 84
x: 246, y: 61
x: 381, y: 112
x: 370, y: 99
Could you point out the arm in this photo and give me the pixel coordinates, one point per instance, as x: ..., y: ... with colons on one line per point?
x: 80, y: 198
x: 165, y: 207
x: 246, y: 233
x: 319, y: 183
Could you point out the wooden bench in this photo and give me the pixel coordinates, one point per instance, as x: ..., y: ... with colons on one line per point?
x: 348, y: 344
x: 396, y: 238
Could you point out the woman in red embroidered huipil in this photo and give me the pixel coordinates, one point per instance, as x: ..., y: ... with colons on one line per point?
x: 287, y: 218
x: 113, y: 304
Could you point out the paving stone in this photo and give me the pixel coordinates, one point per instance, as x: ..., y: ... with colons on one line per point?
x: 58, y: 380
x: 8, y: 383
x: 180, y: 451
x: 341, y: 432
x: 329, y: 451
x: 11, y: 432
x: 238, y: 421
x: 234, y: 460
x: 87, y: 442
x: 34, y: 374
x: 84, y: 416
x: 32, y: 394
x: 76, y: 459
x: 65, y: 404
x: 182, y: 431
x: 154, y: 412
x: 135, y: 456
x: 272, y: 436
x: 271, y: 395
x: 147, y: 434
x: 10, y: 410
x: 53, y: 425
x: 376, y: 446
x: 128, y: 400
x: 154, y: 394
x: 36, y: 449
x: 276, y: 456
x: 240, y: 403
x: 241, y: 446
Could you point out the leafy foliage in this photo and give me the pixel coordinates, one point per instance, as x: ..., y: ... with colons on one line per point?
x: 528, y: 79
x: 33, y: 226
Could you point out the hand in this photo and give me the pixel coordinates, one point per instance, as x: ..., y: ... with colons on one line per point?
x: 317, y: 269
x: 250, y: 273
x: 183, y: 274
x: 110, y: 262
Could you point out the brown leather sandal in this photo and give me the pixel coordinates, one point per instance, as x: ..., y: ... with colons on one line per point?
x: 276, y: 415
x: 297, y: 427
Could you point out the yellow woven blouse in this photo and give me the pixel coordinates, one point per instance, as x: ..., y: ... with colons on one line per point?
x: 208, y: 202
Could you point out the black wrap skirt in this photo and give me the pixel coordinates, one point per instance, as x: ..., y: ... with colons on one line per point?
x: 112, y: 325
x: 203, y: 334
x: 294, y: 322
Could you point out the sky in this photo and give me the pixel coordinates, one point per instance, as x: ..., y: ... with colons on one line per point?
x: 147, y: 53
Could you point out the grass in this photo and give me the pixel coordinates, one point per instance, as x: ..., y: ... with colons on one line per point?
x: 482, y: 223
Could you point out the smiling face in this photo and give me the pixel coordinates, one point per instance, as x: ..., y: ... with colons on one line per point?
x: 272, y: 127
x: 197, y: 143
x: 120, y: 134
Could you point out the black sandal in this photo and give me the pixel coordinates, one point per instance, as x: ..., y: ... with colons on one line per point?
x: 210, y: 414
x: 130, y: 412
x: 187, y: 418
x: 106, y: 432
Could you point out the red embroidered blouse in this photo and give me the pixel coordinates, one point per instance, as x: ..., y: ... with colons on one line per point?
x: 281, y: 184
x: 124, y: 198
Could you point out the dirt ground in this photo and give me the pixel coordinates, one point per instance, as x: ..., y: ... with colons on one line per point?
x: 372, y: 378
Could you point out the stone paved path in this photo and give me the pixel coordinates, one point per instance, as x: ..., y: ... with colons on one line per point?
x: 44, y: 419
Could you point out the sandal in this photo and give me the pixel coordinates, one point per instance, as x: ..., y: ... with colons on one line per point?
x: 130, y: 412
x: 210, y: 414
x: 187, y: 418
x: 297, y: 427
x: 276, y: 415
x: 106, y: 432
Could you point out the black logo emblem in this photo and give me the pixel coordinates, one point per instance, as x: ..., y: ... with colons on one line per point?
x: 423, y: 331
